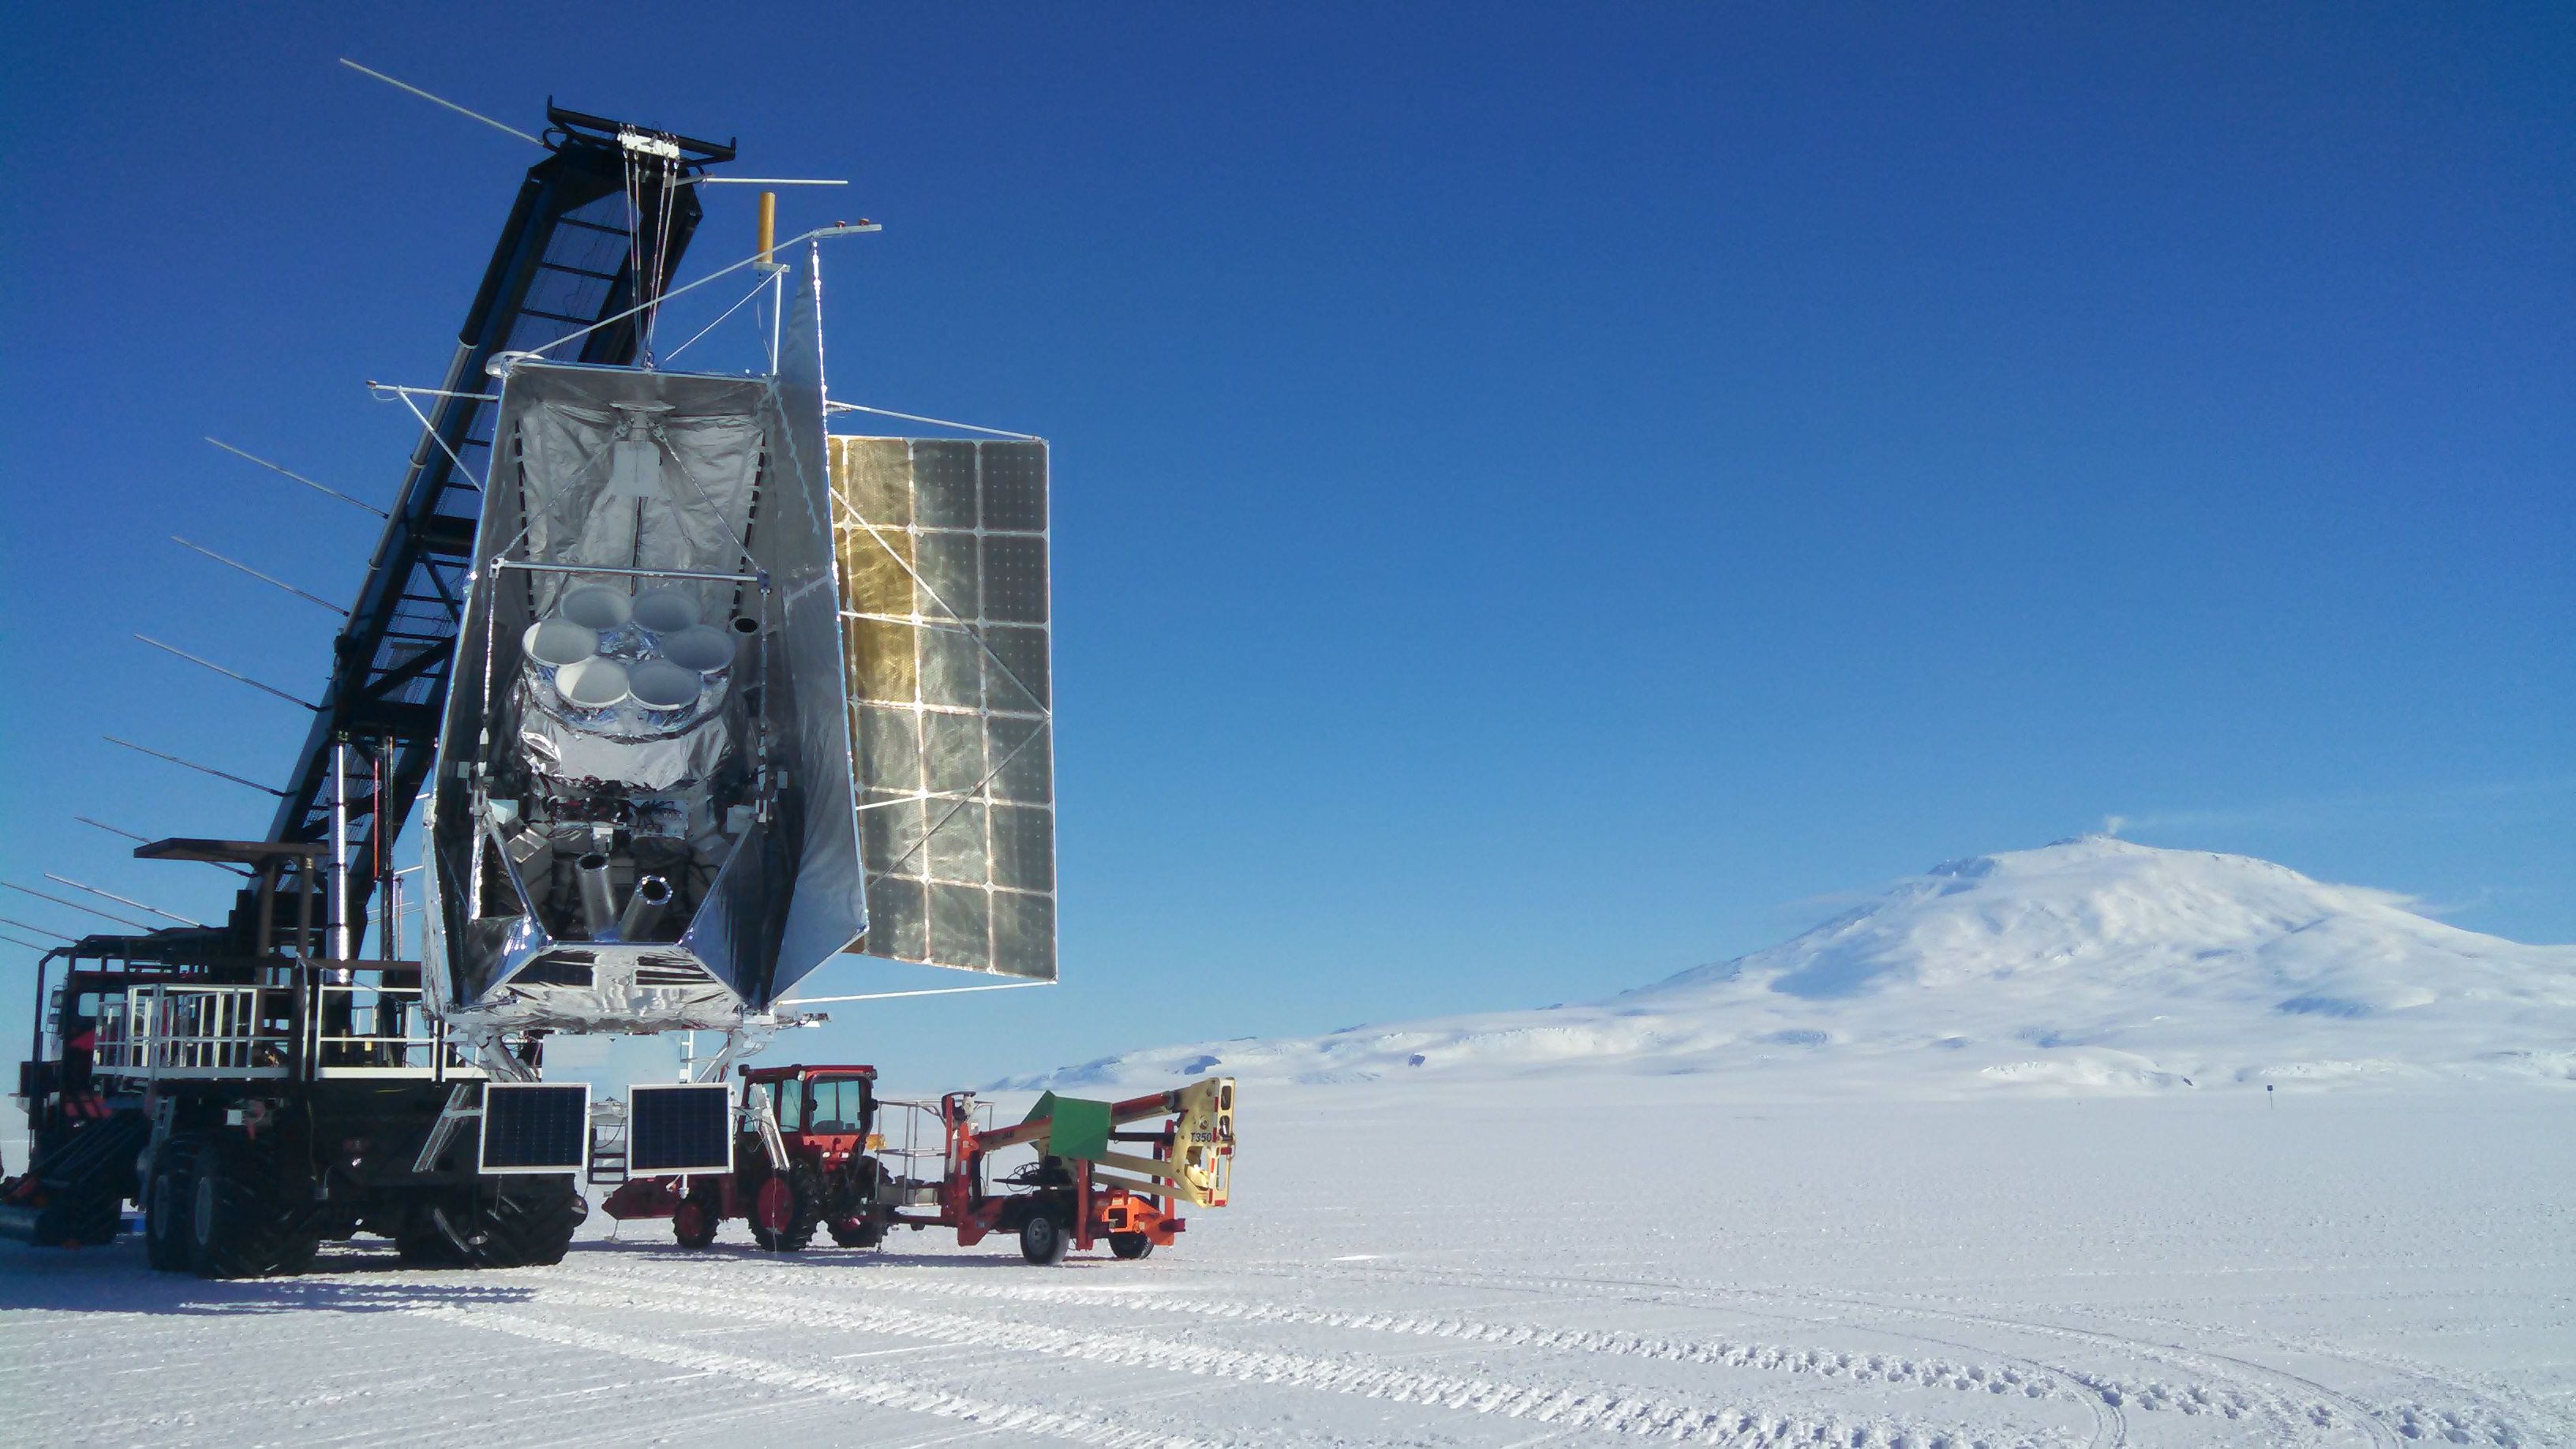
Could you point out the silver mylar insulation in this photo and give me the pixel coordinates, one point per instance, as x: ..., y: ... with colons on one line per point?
x: 728, y: 777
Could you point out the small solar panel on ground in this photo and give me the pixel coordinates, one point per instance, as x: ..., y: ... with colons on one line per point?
x: 679, y: 1129
x: 535, y: 1126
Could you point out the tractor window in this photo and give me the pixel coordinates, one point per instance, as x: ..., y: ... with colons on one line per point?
x: 789, y: 1102
x: 839, y: 1106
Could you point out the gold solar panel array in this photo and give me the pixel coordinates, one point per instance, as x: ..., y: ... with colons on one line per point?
x: 943, y: 552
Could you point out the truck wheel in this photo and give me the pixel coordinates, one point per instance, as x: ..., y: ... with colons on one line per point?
x: 522, y: 1226
x: 421, y: 1244
x: 693, y: 1222
x: 1043, y: 1240
x: 1131, y: 1245
x: 787, y: 1208
x: 239, y: 1223
x: 169, y: 1200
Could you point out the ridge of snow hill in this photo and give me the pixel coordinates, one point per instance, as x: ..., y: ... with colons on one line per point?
x: 2092, y: 964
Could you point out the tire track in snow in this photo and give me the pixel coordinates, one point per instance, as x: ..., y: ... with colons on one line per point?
x: 1559, y: 1406
x: 2326, y: 1409
x: 2489, y: 1412
x: 877, y: 1392
x: 1895, y: 1370
x: 2248, y: 1387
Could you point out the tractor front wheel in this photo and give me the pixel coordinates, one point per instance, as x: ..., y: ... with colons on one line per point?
x: 1131, y: 1245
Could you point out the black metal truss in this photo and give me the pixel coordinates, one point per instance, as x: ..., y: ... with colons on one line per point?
x: 566, y: 262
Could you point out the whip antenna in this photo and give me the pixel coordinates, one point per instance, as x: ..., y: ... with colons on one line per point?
x: 441, y: 100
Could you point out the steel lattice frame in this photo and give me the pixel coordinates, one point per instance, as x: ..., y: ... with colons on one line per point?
x: 565, y: 264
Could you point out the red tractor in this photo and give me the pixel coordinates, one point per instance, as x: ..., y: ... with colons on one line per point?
x: 825, y: 1127
x: 810, y: 1152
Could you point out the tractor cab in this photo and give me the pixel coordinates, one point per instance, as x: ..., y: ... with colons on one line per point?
x: 829, y: 1112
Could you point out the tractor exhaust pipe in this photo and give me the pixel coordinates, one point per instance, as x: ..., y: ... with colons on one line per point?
x: 598, y: 901
x: 644, y: 908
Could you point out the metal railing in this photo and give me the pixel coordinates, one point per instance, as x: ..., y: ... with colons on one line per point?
x: 359, y: 1028
x: 925, y: 1140
x: 202, y: 1033
x: 195, y: 1032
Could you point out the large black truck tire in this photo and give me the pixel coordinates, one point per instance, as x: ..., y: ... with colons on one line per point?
x: 80, y: 1220
x: 169, y: 1200
x: 423, y: 1244
x: 241, y: 1223
x: 526, y: 1224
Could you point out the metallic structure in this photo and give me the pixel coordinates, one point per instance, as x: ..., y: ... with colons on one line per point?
x: 599, y: 225
x: 644, y: 817
x: 701, y: 697
x: 223, y: 1076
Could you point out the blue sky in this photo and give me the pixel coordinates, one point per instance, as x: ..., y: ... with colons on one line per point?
x: 1543, y: 494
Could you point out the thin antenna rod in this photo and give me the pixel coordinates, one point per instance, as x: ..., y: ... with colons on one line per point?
x: 32, y: 926
x: 761, y: 181
x: 899, y: 995
x: 193, y: 765
x: 228, y: 674
x: 851, y: 407
x: 75, y: 905
x: 300, y: 478
x: 263, y: 578
x: 451, y: 105
x: 120, y: 900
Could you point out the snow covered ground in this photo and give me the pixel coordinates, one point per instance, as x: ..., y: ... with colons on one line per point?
x: 1514, y: 1264
x: 1987, y: 1161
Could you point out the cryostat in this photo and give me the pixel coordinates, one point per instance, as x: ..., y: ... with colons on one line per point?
x: 644, y: 812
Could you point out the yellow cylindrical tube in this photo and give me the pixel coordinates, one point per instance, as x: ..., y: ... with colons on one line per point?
x: 768, y: 225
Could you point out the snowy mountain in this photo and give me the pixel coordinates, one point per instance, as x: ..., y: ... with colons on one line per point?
x: 2091, y: 964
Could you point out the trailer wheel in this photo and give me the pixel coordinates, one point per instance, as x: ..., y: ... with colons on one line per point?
x: 693, y: 1222
x: 1131, y: 1246
x: 787, y: 1208
x: 169, y: 1202
x: 239, y: 1224
x: 1043, y: 1240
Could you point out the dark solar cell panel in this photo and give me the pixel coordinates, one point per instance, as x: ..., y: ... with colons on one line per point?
x: 535, y: 1127
x: 679, y: 1129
